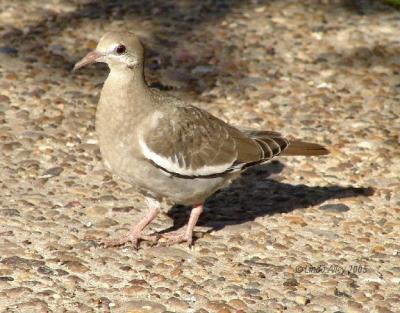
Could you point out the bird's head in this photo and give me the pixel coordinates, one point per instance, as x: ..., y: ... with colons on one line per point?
x: 117, y: 49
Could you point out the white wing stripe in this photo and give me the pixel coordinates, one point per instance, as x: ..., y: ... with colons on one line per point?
x: 172, y: 164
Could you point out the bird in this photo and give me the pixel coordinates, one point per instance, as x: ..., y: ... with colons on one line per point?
x: 168, y: 148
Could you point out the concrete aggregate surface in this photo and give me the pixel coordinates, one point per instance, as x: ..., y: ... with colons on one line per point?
x: 316, y: 234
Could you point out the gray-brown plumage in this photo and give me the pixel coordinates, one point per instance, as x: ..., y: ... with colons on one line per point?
x: 166, y: 147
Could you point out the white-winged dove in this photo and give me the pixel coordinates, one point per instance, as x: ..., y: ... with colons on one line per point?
x: 168, y: 148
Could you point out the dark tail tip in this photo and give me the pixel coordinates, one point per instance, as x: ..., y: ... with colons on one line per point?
x: 305, y: 148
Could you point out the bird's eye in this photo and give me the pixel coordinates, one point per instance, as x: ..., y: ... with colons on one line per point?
x: 120, y: 49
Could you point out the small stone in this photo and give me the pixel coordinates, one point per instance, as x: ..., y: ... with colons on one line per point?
x: 76, y: 266
x: 326, y: 300
x: 217, y: 306
x: 142, y: 306
x: 167, y: 252
x: 383, y: 309
x: 9, y: 212
x: 325, y: 233
x: 202, y: 69
x: 8, y: 50
x: 4, y: 99
x: 177, y: 304
x: 125, y: 209
x: 104, y: 223
x: 378, y: 249
x: 253, y: 81
x: 21, y: 262
x: 138, y: 282
x: 11, y: 76
x: 335, y: 207
x: 83, y: 307
x: 252, y: 291
x: 34, y: 305
x: 45, y: 270
x: 104, y: 302
x: 237, y: 304
x: 291, y: 282
x: 96, y: 211
x: 60, y: 272
x: 18, y: 292
x: 52, y: 172
x: 135, y: 290
x: 301, y: 300
x: 294, y: 219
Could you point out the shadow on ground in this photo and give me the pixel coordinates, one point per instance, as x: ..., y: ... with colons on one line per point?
x: 174, y: 19
x: 175, y: 22
x: 255, y: 195
x: 378, y: 55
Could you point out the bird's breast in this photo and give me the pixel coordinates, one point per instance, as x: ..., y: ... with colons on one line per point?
x: 117, y: 136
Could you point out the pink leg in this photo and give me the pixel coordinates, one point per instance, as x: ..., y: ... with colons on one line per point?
x: 186, y: 234
x: 135, y: 233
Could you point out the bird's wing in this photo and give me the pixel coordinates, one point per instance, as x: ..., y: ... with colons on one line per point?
x: 191, y: 143
x: 256, y: 133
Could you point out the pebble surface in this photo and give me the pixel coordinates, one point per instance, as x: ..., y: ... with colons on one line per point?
x: 298, y: 235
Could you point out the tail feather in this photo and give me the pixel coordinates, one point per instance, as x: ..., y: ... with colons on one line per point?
x: 273, y: 143
x: 298, y: 147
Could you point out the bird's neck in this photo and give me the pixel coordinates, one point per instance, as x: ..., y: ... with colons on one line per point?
x: 124, y: 90
x: 124, y: 94
x: 126, y: 79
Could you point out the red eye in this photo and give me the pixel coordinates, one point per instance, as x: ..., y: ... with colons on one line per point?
x: 120, y: 49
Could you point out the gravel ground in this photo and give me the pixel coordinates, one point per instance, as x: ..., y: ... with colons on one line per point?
x: 298, y: 235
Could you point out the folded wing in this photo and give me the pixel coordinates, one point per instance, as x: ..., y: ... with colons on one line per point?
x: 191, y: 143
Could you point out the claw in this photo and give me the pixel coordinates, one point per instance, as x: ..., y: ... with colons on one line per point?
x: 178, y: 237
x: 186, y: 234
x: 135, y: 234
x: 133, y: 237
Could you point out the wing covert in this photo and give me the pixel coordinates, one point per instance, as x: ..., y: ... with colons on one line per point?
x: 189, y: 142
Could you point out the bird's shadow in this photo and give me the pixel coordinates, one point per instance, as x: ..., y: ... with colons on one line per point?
x: 255, y: 194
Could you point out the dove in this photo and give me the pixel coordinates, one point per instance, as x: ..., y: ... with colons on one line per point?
x: 168, y: 148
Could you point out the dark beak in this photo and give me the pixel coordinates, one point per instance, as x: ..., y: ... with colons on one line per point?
x: 90, y: 58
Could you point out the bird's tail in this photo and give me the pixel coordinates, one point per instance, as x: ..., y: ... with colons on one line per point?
x: 289, y: 147
x: 297, y: 147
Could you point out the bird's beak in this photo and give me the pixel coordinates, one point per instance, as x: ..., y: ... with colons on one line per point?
x: 90, y: 58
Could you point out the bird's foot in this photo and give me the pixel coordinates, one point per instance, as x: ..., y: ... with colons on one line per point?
x: 178, y: 236
x: 132, y: 236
